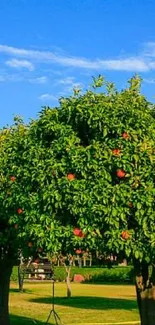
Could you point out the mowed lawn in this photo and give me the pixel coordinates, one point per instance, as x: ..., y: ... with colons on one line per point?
x: 89, y: 304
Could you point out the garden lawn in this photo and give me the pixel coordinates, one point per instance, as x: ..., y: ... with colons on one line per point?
x: 89, y: 304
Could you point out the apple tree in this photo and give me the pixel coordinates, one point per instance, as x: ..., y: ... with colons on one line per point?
x: 81, y: 177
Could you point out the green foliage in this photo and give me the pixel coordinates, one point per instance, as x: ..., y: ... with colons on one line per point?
x: 80, y: 137
x: 91, y: 275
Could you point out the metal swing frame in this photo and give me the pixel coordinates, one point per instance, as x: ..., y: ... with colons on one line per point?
x: 52, y: 311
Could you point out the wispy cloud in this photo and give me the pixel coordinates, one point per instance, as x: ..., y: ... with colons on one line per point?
x: 149, y: 80
x: 66, y: 81
x: 10, y: 77
x: 149, y: 49
x: 137, y: 63
x: 39, y: 80
x: 18, y: 64
x: 47, y: 96
x: 69, y: 83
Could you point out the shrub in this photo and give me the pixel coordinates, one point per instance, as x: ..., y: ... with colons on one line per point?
x: 91, y: 275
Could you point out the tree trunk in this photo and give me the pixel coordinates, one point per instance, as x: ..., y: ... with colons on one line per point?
x: 5, y: 273
x: 145, y: 289
x: 90, y: 260
x: 20, y: 278
x: 84, y: 261
x: 68, y: 270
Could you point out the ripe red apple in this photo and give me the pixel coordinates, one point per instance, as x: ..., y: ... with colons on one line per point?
x: 121, y: 173
x: 12, y: 178
x: 116, y: 152
x: 30, y: 244
x: 125, y: 135
x: 78, y: 251
x: 71, y: 177
x: 78, y: 232
x: 20, y: 211
x: 125, y: 234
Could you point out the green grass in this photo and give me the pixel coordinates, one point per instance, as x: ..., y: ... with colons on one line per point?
x: 89, y: 304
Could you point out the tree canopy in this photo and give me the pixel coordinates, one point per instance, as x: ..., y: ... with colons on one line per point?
x: 82, y: 175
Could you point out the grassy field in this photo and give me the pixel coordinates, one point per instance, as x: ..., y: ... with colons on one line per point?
x: 89, y: 304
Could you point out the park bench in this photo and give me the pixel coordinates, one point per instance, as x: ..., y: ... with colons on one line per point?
x: 37, y: 271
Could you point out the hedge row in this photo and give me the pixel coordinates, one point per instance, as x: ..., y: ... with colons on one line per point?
x: 92, y: 275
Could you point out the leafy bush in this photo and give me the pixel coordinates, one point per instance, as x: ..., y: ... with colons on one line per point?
x: 92, y: 275
x: 14, y: 275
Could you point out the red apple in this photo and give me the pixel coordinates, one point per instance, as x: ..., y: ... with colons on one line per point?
x: 12, y: 178
x: 30, y: 244
x: 121, y: 173
x: 116, y: 152
x: 125, y: 135
x: 71, y: 177
x: 20, y: 211
x: 125, y: 234
x: 78, y: 251
x: 78, y: 232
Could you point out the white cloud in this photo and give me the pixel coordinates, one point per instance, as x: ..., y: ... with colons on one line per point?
x: 69, y: 88
x: 10, y: 77
x: 149, y: 49
x: 134, y: 64
x: 47, y: 96
x: 66, y: 81
x: 18, y: 64
x: 69, y: 83
x: 39, y: 80
x: 149, y: 80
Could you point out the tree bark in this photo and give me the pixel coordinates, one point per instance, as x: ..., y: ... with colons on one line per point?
x: 69, y: 292
x: 145, y: 290
x: 20, y: 278
x: 5, y: 273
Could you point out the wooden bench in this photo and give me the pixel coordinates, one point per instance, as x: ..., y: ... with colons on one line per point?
x: 39, y: 271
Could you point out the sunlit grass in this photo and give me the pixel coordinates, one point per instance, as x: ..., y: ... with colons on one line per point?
x: 89, y: 303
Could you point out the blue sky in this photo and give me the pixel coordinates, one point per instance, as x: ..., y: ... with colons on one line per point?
x: 47, y: 47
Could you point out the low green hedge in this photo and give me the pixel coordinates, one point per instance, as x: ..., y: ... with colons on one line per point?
x: 92, y: 275
x: 14, y: 275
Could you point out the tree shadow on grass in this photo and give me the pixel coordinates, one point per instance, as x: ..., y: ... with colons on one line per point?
x: 15, y: 290
x: 19, y: 320
x: 84, y: 302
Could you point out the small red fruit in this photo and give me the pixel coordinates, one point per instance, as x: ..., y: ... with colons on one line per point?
x: 37, y: 261
x: 130, y: 205
x: 121, y: 173
x: 20, y: 211
x: 125, y: 235
x: 30, y: 244
x: 78, y: 232
x: 39, y: 250
x: 12, y: 178
x: 116, y: 152
x: 71, y: 177
x: 125, y: 135
x: 78, y: 251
